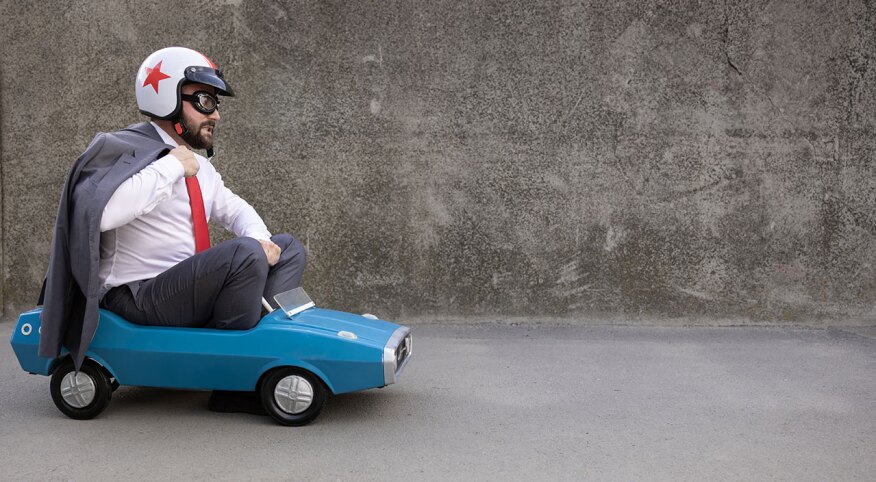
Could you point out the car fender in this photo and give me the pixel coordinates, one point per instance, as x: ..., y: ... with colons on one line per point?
x: 297, y: 364
x: 95, y: 358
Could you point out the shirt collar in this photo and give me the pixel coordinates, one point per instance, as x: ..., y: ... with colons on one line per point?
x: 165, y: 137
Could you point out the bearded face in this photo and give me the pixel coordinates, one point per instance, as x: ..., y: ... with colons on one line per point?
x: 199, y: 134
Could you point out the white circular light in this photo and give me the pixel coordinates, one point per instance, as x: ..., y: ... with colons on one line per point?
x: 347, y: 334
x: 369, y: 316
x: 26, y: 329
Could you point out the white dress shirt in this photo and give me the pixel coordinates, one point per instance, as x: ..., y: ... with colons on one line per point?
x: 146, y: 226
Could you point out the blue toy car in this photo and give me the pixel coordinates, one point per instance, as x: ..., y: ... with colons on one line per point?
x: 293, y: 358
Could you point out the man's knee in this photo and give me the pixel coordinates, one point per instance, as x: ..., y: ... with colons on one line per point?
x: 293, y: 250
x: 283, y: 240
x: 248, y: 255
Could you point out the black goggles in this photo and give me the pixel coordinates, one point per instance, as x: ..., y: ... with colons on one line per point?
x: 205, y: 102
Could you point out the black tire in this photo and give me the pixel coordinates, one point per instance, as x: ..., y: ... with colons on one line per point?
x: 287, y: 415
x: 102, y: 392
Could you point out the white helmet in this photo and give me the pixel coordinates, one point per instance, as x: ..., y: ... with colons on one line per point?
x: 162, y: 74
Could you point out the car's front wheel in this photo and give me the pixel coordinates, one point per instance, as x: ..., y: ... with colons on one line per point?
x: 81, y: 395
x: 293, y: 396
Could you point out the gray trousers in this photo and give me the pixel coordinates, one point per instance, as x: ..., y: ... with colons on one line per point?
x: 220, y: 287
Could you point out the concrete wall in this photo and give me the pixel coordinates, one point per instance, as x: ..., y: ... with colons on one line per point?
x: 657, y: 158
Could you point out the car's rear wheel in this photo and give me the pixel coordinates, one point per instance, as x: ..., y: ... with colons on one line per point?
x: 80, y: 395
x: 293, y: 396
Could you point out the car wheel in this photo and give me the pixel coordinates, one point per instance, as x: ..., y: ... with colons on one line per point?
x: 293, y: 396
x: 80, y: 395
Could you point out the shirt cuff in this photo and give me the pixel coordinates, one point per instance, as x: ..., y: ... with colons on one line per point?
x: 260, y: 235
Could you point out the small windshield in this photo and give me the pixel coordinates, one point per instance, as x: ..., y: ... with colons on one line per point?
x: 294, y: 301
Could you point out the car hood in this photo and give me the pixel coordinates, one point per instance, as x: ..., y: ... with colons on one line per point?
x: 320, y: 319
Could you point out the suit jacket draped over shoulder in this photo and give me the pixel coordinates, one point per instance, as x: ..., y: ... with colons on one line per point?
x: 72, y: 289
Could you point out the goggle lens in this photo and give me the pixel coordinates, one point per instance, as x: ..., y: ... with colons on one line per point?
x: 203, y: 102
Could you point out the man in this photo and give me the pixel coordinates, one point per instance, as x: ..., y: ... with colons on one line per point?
x: 131, y: 229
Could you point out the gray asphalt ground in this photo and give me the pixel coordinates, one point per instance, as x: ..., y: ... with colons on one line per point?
x: 497, y: 402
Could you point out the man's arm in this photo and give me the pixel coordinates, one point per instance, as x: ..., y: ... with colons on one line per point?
x: 139, y: 194
x: 237, y: 216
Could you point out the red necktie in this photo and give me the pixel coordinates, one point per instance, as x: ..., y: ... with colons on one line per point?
x: 199, y: 217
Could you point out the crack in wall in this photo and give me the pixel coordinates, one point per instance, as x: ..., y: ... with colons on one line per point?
x: 747, y: 80
x: 724, y: 40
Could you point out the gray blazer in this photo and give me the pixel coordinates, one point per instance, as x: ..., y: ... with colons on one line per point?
x: 72, y: 290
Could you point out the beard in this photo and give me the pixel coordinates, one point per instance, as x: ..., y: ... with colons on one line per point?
x: 200, y: 137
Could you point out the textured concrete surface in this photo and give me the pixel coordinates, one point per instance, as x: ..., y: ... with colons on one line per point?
x: 489, y: 402
x: 652, y: 158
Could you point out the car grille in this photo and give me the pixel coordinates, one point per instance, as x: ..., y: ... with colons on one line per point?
x: 403, y: 351
x: 396, y: 354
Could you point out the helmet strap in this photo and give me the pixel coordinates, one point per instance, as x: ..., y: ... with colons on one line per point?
x: 180, y: 126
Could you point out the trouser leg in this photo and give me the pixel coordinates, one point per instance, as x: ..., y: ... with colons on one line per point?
x: 217, y: 288
x: 286, y: 274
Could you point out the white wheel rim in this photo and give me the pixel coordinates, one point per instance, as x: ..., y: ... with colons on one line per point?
x: 77, y: 389
x: 293, y: 394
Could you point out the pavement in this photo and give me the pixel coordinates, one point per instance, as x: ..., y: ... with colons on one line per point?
x: 500, y: 402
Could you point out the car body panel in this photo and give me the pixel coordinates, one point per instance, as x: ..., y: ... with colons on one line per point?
x: 202, y: 358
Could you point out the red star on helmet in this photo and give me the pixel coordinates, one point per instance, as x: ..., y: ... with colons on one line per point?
x: 155, y: 75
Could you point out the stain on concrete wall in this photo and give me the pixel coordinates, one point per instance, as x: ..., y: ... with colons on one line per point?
x: 656, y: 158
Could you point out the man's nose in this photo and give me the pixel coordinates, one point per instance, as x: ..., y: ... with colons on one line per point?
x: 214, y: 115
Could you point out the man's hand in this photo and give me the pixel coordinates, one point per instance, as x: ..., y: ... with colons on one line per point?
x: 187, y: 159
x: 272, y: 251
